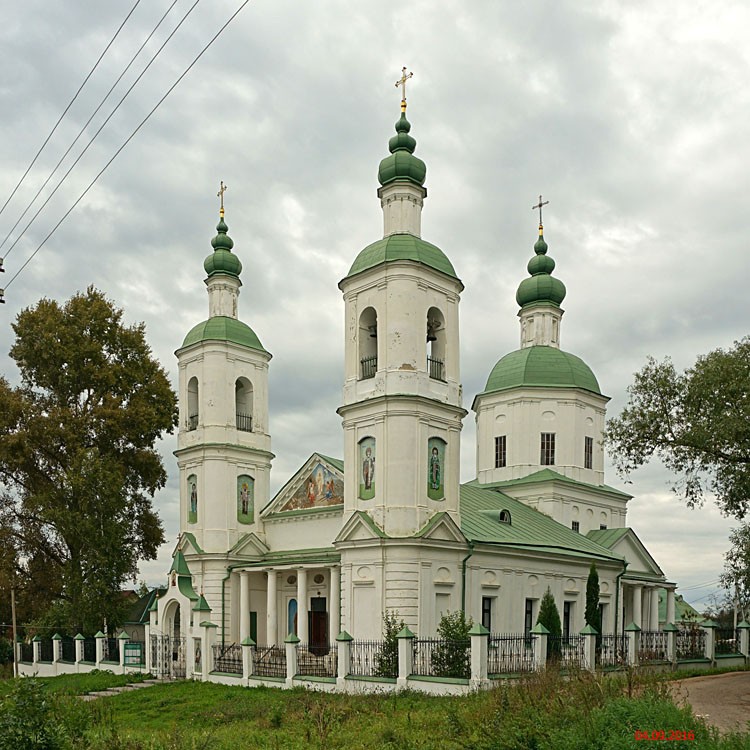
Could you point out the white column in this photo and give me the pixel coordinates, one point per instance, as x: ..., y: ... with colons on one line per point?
x: 244, y: 605
x: 637, y: 608
x: 272, y: 620
x: 670, y: 605
x: 654, y: 614
x: 302, y: 605
x: 334, y: 608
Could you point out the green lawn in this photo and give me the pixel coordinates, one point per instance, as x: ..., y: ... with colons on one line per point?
x: 80, y: 684
x: 544, y: 712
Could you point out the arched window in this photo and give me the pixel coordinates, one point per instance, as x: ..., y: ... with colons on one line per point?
x: 504, y: 516
x: 367, y: 337
x: 243, y: 403
x: 192, y: 420
x: 436, y: 344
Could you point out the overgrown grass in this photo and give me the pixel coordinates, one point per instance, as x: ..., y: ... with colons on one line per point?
x: 80, y: 684
x: 543, y: 712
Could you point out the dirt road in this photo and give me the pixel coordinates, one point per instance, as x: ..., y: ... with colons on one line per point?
x: 723, y: 699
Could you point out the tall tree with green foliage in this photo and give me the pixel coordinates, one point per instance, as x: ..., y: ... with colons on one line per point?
x: 451, y: 657
x: 592, y: 615
x: 697, y: 422
x: 386, y: 660
x: 736, y: 576
x: 77, y: 454
x: 549, y: 616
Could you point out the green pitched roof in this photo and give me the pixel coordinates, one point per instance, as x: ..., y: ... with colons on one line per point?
x: 548, y: 475
x: 222, y: 328
x: 541, y: 366
x: 682, y: 610
x: 607, y: 537
x: 529, y: 529
x: 402, y: 246
x: 335, y: 462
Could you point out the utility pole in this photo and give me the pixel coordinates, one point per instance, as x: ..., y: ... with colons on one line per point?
x: 13, y: 621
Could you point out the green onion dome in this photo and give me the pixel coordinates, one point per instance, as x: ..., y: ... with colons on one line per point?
x: 402, y: 164
x: 222, y: 260
x: 541, y: 287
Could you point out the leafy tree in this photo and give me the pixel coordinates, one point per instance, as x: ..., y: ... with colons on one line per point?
x: 736, y: 576
x: 697, y: 422
x: 386, y: 661
x: 452, y: 656
x: 592, y: 615
x: 77, y: 452
x: 549, y: 616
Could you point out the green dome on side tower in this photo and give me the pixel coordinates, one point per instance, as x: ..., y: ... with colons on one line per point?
x: 542, y: 286
x: 222, y: 259
x: 402, y: 164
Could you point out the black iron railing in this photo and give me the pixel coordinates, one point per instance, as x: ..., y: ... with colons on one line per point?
x: 727, y: 641
x: 612, y: 651
x: 437, y: 657
x: 373, y: 658
x: 244, y: 422
x: 228, y: 658
x: 510, y: 654
x: 567, y: 650
x: 691, y: 644
x: 45, y: 651
x: 192, y: 423
x: 320, y: 660
x: 270, y: 661
x: 653, y: 646
x: 369, y: 366
x: 435, y: 368
x: 111, y: 650
x: 27, y: 653
x: 68, y: 650
x: 89, y: 650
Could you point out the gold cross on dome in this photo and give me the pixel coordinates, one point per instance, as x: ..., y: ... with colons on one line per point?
x: 539, y: 206
x: 220, y: 195
x: 402, y: 82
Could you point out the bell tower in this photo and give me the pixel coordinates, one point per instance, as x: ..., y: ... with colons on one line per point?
x: 224, y: 448
x: 402, y: 412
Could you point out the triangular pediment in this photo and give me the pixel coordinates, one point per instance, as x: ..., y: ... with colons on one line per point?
x: 187, y: 545
x: 360, y: 528
x: 442, y: 528
x: 249, y: 546
x: 637, y: 556
x: 317, y: 485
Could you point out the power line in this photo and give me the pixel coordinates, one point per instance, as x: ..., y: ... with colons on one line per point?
x: 101, y: 127
x: 699, y: 585
x: 70, y: 104
x: 81, y: 131
x: 129, y: 138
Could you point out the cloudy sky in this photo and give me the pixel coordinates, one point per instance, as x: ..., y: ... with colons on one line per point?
x: 630, y: 117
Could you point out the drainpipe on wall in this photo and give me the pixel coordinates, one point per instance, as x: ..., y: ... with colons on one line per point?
x: 223, y: 582
x: 617, y: 593
x: 463, y: 577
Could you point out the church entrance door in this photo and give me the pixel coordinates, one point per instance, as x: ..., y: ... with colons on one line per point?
x: 318, y: 626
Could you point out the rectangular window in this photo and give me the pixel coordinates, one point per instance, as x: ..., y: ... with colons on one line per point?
x: 500, y: 452
x: 528, y: 616
x: 588, y: 453
x: 576, y: 526
x: 567, y: 609
x: 602, y: 616
x: 487, y: 602
x: 548, y: 449
x: 602, y: 526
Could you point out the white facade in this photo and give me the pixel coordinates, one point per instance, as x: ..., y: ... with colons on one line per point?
x: 389, y: 528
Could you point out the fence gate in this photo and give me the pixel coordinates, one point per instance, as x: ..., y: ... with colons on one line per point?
x: 168, y: 656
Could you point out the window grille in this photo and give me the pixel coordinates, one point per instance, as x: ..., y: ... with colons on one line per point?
x: 500, y: 452
x: 547, y: 457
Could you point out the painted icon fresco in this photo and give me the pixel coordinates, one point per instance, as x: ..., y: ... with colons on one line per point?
x: 245, y: 498
x: 192, y: 490
x: 367, y: 470
x: 320, y: 489
x: 435, y: 468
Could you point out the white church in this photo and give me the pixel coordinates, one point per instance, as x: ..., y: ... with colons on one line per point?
x: 390, y: 528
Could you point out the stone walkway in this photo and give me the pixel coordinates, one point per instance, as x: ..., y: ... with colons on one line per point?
x: 122, y: 689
